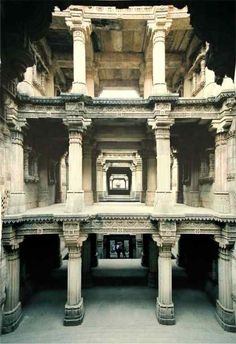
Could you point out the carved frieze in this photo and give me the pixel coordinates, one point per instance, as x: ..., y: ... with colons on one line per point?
x: 197, y: 227
x: 119, y: 225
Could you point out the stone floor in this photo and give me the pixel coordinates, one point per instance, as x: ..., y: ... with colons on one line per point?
x: 120, y: 308
x: 120, y: 208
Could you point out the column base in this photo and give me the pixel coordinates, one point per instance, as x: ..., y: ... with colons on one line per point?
x: 11, y: 319
x: 163, y: 201
x: 221, y: 202
x: 159, y: 89
x: 165, y: 313
x: 74, y: 201
x: 74, y: 315
x: 152, y: 279
x: 16, y: 203
x: 79, y: 88
x: 225, y: 317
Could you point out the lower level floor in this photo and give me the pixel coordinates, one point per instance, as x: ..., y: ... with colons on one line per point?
x: 120, y: 308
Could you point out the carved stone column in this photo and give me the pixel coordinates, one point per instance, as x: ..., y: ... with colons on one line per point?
x: 151, y: 175
x: 153, y: 263
x: 17, y: 197
x: 75, y: 194
x: 74, y: 308
x: 12, y: 309
x: 99, y: 177
x: 160, y: 29
x: 221, y: 195
x: 165, y: 239
x: 165, y: 307
x: 79, y: 27
x: 225, y: 312
x: 163, y: 198
x: 139, y: 177
x: 87, y: 173
x: 147, y: 89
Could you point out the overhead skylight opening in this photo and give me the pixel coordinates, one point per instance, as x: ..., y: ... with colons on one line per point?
x: 121, y: 92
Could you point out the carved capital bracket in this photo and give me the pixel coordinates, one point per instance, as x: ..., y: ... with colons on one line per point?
x: 72, y: 234
x: 75, y: 120
x: 10, y: 239
x: 167, y: 235
x: 77, y: 23
x: 227, y: 237
x: 221, y: 125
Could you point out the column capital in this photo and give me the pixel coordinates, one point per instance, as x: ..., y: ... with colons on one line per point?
x: 73, y: 236
x: 167, y: 236
x: 159, y: 27
x: 77, y: 23
x: 161, y: 126
x: 77, y: 123
x: 221, y: 125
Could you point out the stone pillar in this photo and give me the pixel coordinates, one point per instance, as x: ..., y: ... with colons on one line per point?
x: 139, y: 245
x: 139, y: 178
x: 75, y: 194
x: 99, y: 178
x: 86, y: 264
x: 74, y: 308
x: 160, y: 29
x: 147, y: 89
x: 133, y: 181
x: 151, y: 178
x: 90, y: 81
x: 12, y: 309
x: 224, y: 306
x: 17, y: 197
x: 163, y: 198
x: 100, y: 245
x: 153, y: 262
x: 164, y: 306
x: 79, y: 27
x: 221, y: 195
x: 25, y: 86
x: 87, y: 173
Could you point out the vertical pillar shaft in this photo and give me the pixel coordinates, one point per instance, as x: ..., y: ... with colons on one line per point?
x: 75, y: 195
x: 159, y: 82
x: 221, y: 196
x: 163, y: 192
x: 224, y: 308
x: 87, y: 175
x: 79, y: 61
x: 17, y: 198
x: 153, y: 263
x: 12, y: 309
x: 165, y: 306
x: 74, y: 310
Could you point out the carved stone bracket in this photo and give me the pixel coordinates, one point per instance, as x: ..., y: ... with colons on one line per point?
x: 72, y: 234
x: 167, y: 235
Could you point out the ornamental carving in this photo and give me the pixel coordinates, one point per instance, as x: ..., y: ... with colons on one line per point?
x: 198, y: 227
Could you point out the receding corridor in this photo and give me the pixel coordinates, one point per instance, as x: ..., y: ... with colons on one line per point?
x: 120, y: 308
